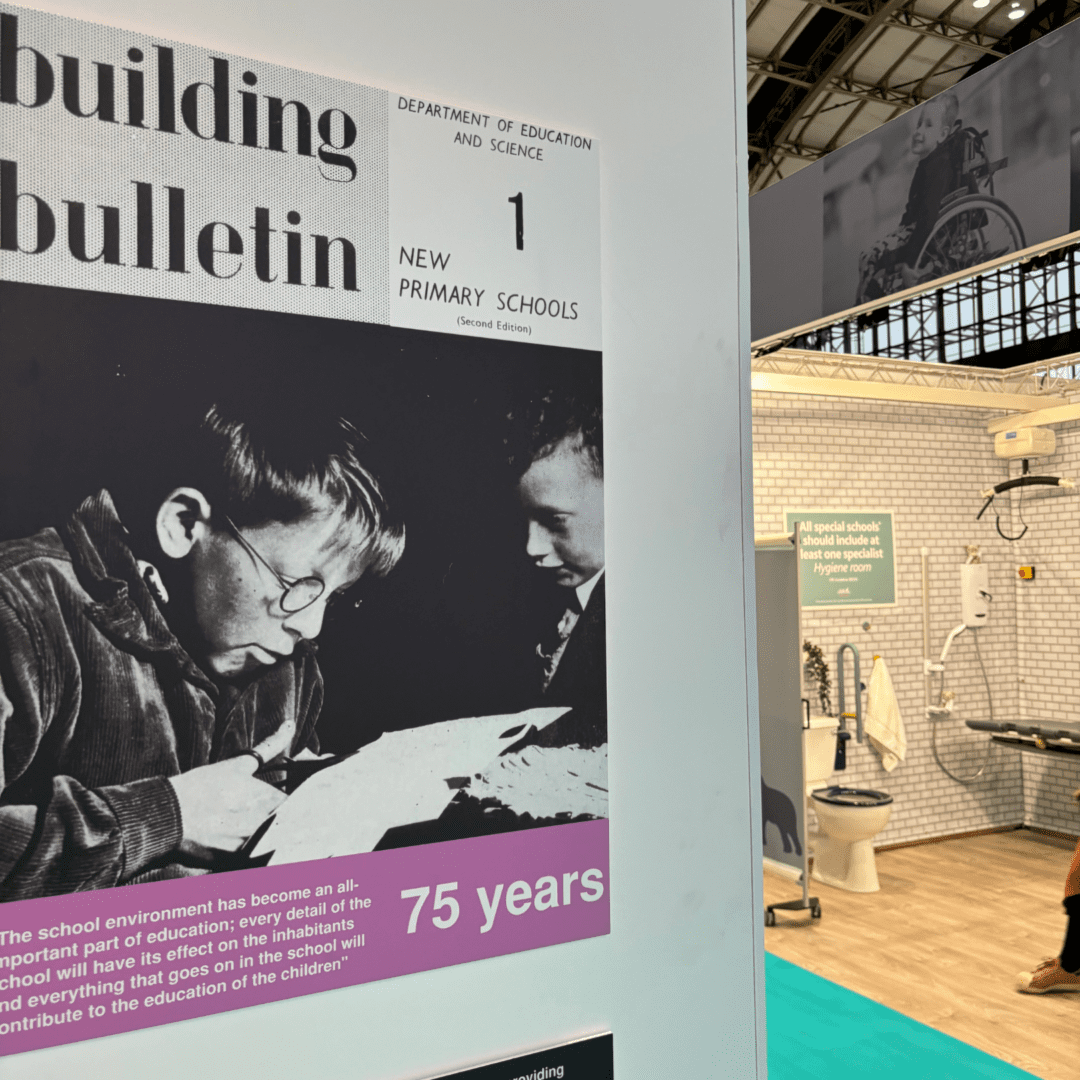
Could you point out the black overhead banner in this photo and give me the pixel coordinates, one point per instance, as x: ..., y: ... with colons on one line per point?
x: 985, y: 168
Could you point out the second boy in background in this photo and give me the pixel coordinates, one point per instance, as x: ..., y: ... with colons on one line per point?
x: 557, y: 452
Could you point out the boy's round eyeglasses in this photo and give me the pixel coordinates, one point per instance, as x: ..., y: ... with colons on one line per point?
x: 299, y: 593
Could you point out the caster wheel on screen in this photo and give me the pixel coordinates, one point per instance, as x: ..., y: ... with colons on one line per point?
x: 815, y: 912
x: 770, y: 918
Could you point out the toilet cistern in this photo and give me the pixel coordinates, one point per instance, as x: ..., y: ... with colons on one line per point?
x: 819, y: 752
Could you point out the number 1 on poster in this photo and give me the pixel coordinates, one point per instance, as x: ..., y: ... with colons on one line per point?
x: 519, y: 202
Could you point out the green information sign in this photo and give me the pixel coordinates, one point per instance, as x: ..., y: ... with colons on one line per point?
x: 847, y: 557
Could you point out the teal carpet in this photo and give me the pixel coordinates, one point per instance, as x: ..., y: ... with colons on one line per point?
x: 819, y: 1029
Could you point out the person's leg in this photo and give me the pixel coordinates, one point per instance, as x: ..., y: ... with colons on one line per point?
x: 1070, y: 951
x: 1062, y: 973
x: 1072, y: 878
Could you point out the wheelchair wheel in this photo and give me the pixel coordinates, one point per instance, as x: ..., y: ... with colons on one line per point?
x: 973, y: 230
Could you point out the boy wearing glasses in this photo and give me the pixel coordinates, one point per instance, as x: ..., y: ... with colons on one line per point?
x: 149, y: 668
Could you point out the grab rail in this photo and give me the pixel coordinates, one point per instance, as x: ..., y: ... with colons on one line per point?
x: 857, y: 714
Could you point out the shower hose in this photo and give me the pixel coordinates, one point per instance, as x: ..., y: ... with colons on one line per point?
x: 989, y: 746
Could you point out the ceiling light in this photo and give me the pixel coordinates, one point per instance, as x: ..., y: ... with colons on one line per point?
x: 981, y: 3
x: 1017, y: 13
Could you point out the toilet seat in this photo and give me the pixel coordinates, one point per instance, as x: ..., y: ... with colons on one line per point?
x: 851, y: 797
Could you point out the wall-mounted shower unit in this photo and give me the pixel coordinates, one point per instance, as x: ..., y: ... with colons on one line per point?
x: 975, y: 601
x: 974, y: 594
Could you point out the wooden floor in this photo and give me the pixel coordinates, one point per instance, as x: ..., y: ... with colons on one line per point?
x: 943, y: 940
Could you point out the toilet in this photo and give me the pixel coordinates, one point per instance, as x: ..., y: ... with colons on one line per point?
x: 848, y: 818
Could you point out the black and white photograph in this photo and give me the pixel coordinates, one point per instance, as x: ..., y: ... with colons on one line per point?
x: 250, y: 560
x: 977, y: 172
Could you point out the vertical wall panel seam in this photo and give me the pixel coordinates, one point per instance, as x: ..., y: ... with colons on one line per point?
x: 746, y: 470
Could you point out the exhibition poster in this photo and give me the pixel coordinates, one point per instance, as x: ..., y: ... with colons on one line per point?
x: 846, y: 557
x: 302, y: 633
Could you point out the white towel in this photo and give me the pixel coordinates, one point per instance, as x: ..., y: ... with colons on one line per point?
x: 883, y: 724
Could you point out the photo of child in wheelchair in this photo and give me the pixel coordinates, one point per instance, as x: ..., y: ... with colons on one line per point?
x: 952, y: 220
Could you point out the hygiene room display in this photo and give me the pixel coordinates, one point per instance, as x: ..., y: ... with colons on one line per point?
x: 288, y: 362
x: 846, y: 557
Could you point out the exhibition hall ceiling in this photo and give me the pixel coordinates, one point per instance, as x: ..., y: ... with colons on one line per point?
x: 821, y: 73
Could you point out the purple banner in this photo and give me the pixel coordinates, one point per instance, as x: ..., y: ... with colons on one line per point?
x: 97, y: 963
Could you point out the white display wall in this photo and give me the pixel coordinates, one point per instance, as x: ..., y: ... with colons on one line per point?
x: 679, y: 979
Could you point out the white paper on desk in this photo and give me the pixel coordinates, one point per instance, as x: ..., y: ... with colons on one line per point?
x: 397, y: 780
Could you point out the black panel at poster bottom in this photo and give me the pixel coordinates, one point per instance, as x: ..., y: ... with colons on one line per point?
x: 586, y: 1059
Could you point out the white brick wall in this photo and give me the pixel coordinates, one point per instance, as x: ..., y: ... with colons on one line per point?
x: 1048, y: 788
x: 927, y: 464
x: 1048, y: 630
